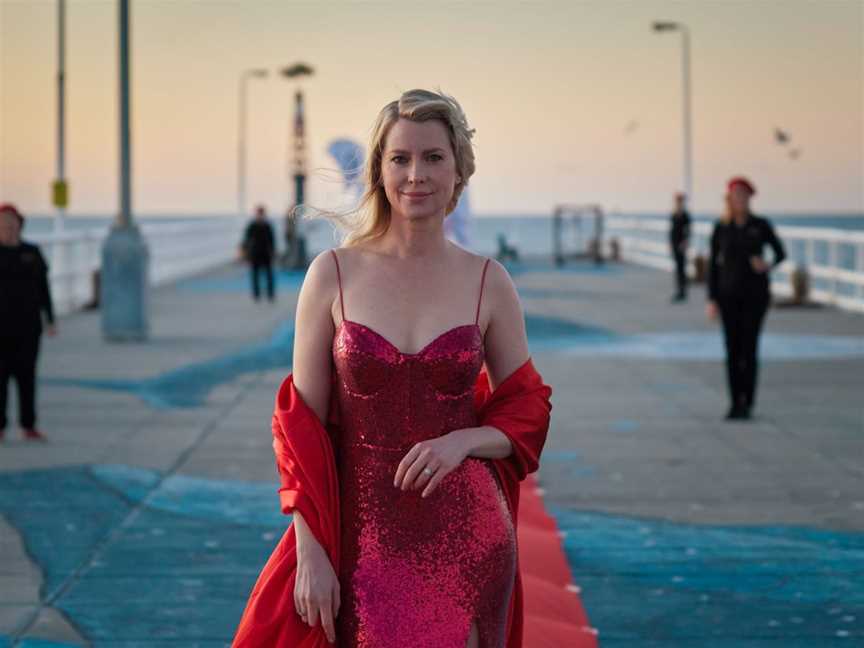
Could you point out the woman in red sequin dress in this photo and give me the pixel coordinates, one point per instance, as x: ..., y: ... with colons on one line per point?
x: 407, y: 319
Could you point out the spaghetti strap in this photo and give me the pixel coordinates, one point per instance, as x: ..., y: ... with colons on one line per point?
x: 482, y: 282
x: 339, y: 279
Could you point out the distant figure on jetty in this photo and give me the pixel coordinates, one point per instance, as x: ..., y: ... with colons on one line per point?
x: 739, y: 289
x: 679, y: 239
x: 506, y: 252
x: 24, y: 296
x: 295, y: 256
x: 259, y: 248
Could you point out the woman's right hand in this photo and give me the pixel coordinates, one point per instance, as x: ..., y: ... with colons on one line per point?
x: 711, y: 310
x: 316, y: 588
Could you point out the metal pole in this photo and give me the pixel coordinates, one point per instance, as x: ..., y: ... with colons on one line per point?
x: 61, y: 108
x: 241, y: 146
x: 124, y: 278
x: 124, y: 216
x: 686, y: 113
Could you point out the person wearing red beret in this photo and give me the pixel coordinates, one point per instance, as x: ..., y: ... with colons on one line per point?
x: 739, y: 289
x: 25, y: 295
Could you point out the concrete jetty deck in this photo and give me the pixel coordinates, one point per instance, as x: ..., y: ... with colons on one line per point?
x: 145, y: 518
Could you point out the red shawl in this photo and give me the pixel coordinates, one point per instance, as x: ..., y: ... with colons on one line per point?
x: 519, y: 407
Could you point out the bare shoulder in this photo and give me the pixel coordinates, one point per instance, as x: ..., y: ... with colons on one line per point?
x: 502, y: 289
x: 321, y: 270
x: 321, y: 283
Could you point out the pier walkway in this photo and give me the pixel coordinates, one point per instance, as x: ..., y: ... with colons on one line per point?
x: 145, y: 518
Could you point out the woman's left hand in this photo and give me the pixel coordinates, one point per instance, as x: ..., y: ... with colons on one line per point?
x: 758, y: 264
x: 440, y: 456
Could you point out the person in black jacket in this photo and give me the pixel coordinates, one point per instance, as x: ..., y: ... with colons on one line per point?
x: 739, y: 290
x: 259, y: 248
x: 24, y: 296
x: 679, y: 237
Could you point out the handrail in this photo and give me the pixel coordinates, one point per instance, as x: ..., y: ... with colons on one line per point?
x: 833, y: 258
x: 176, y: 250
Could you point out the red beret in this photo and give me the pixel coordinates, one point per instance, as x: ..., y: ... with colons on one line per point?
x: 12, y: 209
x: 741, y: 181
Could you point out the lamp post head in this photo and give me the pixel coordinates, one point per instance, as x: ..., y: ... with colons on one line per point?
x: 661, y: 26
x: 297, y: 70
x: 258, y: 73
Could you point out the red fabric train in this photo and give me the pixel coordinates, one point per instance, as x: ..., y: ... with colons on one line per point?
x: 519, y: 407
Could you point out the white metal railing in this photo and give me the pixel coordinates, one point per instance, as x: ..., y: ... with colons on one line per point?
x: 176, y: 250
x: 833, y: 258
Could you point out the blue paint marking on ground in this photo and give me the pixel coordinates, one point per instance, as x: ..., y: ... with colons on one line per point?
x: 190, y: 556
x: 179, y: 571
x: 209, y: 499
x: 624, y: 425
x: 240, y: 281
x: 686, y: 345
x: 554, y: 333
x: 5, y: 642
x: 189, y: 385
x: 657, y: 581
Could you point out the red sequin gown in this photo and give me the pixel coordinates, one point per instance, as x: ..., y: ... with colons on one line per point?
x: 416, y: 571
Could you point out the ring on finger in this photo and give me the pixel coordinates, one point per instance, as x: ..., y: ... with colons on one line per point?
x: 428, y: 472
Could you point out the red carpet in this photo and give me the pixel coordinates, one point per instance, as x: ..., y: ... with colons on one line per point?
x: 554, y: 615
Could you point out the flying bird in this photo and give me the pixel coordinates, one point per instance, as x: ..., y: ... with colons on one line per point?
x: 631, y: 127
x: 781, y: 137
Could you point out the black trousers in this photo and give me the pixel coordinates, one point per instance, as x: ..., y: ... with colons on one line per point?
x: 265, y: 266
x: 680, y: 270
x: 18, y: 353
x: 742, y: 322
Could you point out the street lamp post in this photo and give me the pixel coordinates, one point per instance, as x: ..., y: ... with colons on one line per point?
x: 295, y: 243
x: 125, y: 259
x: 298, y: 132
x: 664, y: 26
x: 241, y: 136
x: 59, y: 192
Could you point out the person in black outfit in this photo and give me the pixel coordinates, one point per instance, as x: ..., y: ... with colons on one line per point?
x: 739, y: 288
x: 24, y: 296
x: 259, y: 249
x: 679, y: 237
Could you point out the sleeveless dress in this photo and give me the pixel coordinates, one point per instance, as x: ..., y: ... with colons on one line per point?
x: 416, y: 571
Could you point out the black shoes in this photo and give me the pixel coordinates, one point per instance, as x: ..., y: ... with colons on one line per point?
x: 738, y: 413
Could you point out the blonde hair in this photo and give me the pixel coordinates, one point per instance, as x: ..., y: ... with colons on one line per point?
x: 371, y: 218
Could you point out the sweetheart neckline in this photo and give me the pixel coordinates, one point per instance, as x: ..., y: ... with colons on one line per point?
x: 400, y: 352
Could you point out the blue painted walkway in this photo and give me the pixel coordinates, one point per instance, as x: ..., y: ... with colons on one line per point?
x: 137, y: 556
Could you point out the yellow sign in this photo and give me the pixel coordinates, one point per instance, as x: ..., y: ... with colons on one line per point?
x: 60, y: 193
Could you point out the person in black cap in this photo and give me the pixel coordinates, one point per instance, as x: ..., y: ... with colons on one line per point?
x: 24, y: 296
x: 679, y: 237
x: 739, y: 289
x: 259, y: 248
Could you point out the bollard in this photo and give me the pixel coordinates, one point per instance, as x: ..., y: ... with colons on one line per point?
x: 93, y: 304
x: 700, y: 267
x: 800, y: 281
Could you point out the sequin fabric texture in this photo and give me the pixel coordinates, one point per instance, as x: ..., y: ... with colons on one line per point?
x: 416, y: 571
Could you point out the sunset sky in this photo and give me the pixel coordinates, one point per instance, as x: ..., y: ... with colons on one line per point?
x: 572, y: 101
